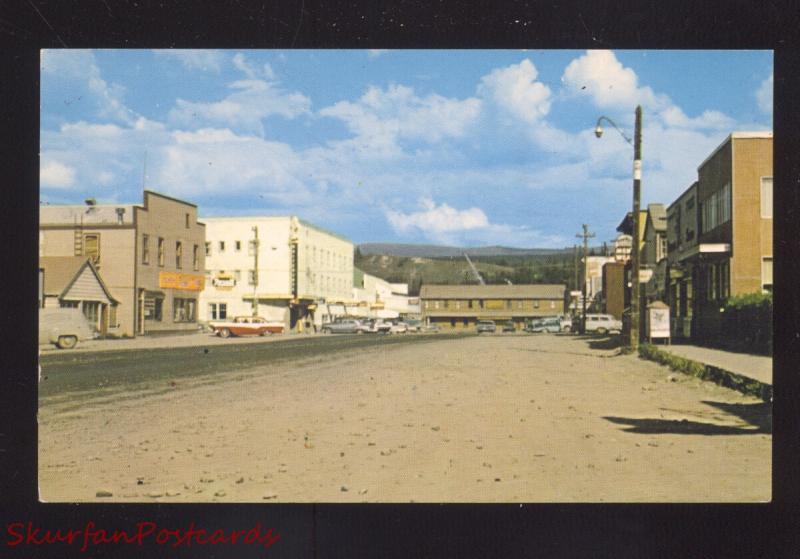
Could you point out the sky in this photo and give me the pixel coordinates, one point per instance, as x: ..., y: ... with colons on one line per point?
x: 456, y: 147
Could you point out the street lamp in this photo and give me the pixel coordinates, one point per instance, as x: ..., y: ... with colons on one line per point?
x: 637, y: 186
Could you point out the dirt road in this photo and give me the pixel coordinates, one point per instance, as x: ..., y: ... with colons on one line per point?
x: 511, y: 418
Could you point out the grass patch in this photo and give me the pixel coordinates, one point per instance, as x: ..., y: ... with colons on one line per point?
x: 710, y: 373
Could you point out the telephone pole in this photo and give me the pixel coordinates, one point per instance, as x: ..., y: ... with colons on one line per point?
x: 255, y: 271
x: 586, y: 236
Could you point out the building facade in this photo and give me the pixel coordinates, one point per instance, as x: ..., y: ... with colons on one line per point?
x: 654, y: 252
x: 150, y: 257
x: 73, y: 282
x: 281, y: 268
x: 461, y: 306
x: 682, y: 221
x: 733, y: 254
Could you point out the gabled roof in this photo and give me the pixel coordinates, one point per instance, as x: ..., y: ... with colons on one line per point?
x: 535, y: 291
x: 60, y: 272
x: 657, y: 217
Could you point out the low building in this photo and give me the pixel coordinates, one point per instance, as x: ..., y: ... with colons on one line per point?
x: 654, y: 252
x: 74, y: 282
x: 381, y: 299
x: 461, y: 306
x: 281, y: 268
x: 150, y: 256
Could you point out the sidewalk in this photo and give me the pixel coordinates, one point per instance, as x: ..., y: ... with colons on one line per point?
x: 756, y: 367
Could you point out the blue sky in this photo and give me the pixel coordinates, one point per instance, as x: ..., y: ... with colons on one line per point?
x: 462, y: 147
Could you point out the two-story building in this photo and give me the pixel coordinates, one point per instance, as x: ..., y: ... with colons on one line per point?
x: 281, y: 268
x: 461, y: 306
x: 733, y: 254
x: 682, y: 220
x: 150, y: 257
x: 654, y: 252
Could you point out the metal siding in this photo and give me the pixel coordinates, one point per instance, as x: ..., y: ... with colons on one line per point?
x: 87, y: 288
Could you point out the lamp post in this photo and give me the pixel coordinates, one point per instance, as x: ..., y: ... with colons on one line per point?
x: 637, y: 186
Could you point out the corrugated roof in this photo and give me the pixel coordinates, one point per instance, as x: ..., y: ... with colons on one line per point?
x: 537, y: 291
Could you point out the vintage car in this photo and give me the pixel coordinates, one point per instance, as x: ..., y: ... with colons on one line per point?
x: 245, y: 326
x: 374, y: 326
x: 342, y: 325
x: 486, y: 326
x: 64, y: 327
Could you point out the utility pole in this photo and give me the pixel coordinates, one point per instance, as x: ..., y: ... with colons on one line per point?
x: 586, y: 236
x: 637, y: 186
x: 255, y: 271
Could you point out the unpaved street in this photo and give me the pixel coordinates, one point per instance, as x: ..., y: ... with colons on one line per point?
x: 503, y: 418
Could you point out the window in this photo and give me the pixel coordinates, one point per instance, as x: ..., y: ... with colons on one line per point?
x: 178, y: 254
x: 238, y: 245
x: 458, y: 305
x: 91, y: 247
x: 196, y: 257
x: 152, y: 308
x: 452, y: 322
x: 222, y: 246
x: 218, y: 311
x: 91, y: 310
x: 436, y: 304
x: 519, y: 304
x: 536, y: 304
x: 237, y: 275
x: 145, y: 249
x: 208, y: 248
x: 766, y: 197
x: 766, y: 273
x: 187, y: 221
x: 161, y: 255
x: 662, y: 246
x: 469, y: 304
x: 716, y: 210
x: 552, y: 304
x: 183, y: 310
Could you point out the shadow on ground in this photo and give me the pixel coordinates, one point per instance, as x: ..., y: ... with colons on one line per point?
x: 758, y: 417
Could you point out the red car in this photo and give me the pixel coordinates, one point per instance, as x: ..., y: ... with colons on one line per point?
x: 245, y: 326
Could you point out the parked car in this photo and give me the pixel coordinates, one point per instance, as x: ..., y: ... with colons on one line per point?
x: 547, y: 325
x: 602, y: 323
x: 414, y: 325
x: 342, y: 326
x: 64, y: 327
x: 398, y: 327
x: 245, y: 326
x: 565, y: 322
x: 431, y: 328
x: 509, y: 326
x: 374, y: 326
x: 486, y: 326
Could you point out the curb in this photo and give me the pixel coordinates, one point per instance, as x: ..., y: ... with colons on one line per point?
x: 719, y: 376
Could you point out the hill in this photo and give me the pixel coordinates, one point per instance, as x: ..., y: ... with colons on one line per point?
x: 438, y: 251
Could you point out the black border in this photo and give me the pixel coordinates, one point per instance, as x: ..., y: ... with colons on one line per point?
x: 325, y: 530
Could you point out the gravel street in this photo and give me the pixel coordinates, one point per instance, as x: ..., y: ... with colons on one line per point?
x: 430, y: 418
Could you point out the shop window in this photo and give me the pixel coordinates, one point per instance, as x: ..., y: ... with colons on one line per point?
x: 145, y: 249
x: 178, y: 254
x: 161, y: 251
x: 91, y: 310
x: 196, y: 258
x: 218, y: 311
x: 183, y: 310
x: 153, y: 308
x: 91, y: 247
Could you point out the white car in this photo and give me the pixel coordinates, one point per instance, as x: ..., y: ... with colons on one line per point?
x: 602, y: 323
x: 398, y: 327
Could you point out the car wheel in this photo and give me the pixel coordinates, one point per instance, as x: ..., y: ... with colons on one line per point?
x: 67, y: 342
x: 224, y: 333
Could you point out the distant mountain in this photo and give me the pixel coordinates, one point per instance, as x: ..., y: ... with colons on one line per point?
x: 436, y: 251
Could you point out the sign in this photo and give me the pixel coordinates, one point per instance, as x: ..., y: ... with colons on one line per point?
x: 224, y: 282
x: 495, y: 304
x: 175, y: 280
x: 658, y: 320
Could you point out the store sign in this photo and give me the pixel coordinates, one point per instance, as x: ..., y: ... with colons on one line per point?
x: 223, y: 282
x: 175, y: 280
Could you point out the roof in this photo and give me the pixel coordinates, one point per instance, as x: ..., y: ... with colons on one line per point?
x: 105, y: 214
x: 61, y: 271
x: 658, y: 216
x: 537, y: 291
x: 626, y: 225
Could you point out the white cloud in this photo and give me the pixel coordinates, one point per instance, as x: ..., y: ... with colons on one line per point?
x: 56, y: 175
x: 515, y: 90
x: 764, y: 95
x: 709, y: 120
x: 79, y: 67
x: 375, y: 53
x: 251, y: 101
x: 381, y: 117
x: 206, y: 60
x: 599, y: 75
x: 252, y: 72
x: 435, y: 220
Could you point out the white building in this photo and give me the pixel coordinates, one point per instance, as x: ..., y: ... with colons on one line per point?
x: 288, y: 268
x: 379, y: 298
